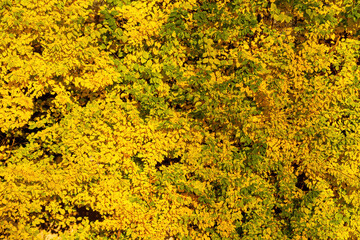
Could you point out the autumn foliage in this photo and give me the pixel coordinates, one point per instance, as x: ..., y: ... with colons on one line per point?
x: 200, y: 119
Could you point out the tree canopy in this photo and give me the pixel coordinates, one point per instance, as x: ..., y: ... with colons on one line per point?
x: 200, y: 119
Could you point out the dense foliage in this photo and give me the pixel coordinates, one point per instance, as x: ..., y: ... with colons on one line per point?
x: 200, y: 119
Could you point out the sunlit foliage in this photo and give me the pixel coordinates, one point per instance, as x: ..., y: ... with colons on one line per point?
x: 200, y: 119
